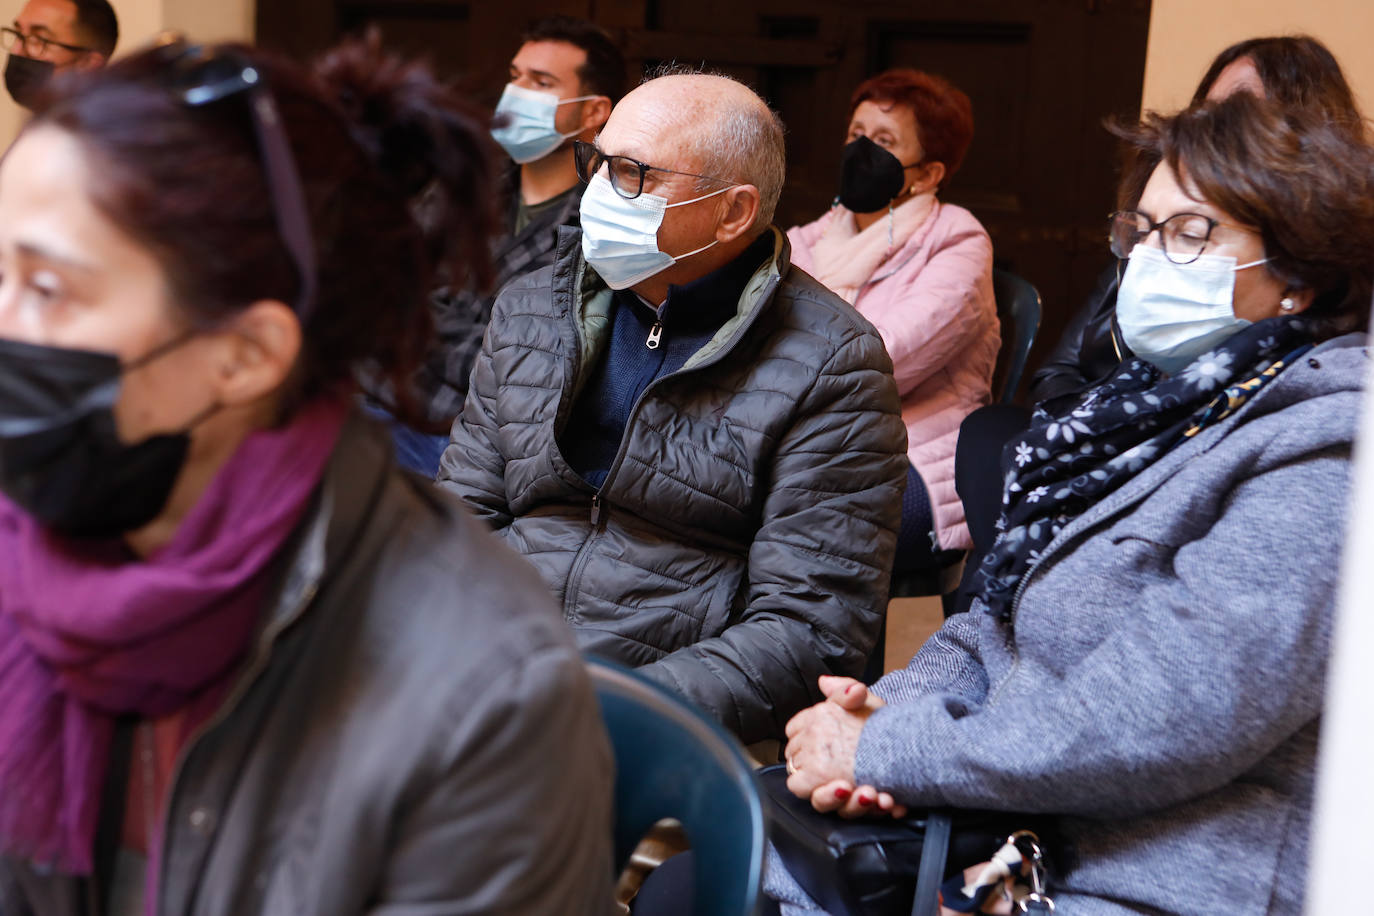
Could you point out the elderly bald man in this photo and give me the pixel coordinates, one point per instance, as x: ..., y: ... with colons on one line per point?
x: 697, y: 446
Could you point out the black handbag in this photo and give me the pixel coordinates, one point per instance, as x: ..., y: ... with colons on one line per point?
x: 875, y: 867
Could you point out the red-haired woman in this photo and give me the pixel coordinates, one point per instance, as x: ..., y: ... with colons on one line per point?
x: 921, y: 272
x: 247, y: 666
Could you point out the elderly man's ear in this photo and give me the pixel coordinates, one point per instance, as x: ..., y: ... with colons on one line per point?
x: 741, y: 209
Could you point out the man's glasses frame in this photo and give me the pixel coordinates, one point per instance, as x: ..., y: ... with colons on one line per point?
x: 626, y: 175
x: 35, y: 45
x: 202, y: 76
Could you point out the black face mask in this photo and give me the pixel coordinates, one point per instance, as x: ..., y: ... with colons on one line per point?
x: 61, y: 459
x: 870, y: 176
x: 25, y: 76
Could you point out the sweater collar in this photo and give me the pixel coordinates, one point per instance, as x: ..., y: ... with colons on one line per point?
x: 709, y: 301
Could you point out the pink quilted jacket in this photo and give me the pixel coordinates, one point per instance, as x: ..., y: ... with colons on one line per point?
x: 932, y: 302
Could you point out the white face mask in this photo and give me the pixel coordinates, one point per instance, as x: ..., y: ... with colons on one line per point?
x: 1170, y: 314
x: 529, y: 132
x: 620, y: 237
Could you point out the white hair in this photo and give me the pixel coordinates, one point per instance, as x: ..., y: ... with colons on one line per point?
x: 742, y: 143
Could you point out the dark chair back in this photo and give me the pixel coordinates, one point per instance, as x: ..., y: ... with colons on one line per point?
x: 1018, y: 309
x: 671, y: 762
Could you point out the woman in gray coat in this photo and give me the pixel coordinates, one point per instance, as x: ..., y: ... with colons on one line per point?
x: 1146, y: 653
x: 246, y: 665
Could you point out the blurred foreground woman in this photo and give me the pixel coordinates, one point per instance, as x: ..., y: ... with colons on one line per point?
x: 246, y: 666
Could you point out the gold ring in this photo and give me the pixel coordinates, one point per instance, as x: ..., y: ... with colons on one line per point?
x: 791, y: 769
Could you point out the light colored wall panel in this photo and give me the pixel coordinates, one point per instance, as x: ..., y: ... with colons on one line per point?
x: 1186, y: 34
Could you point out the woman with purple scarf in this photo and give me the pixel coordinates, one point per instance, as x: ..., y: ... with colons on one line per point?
x: 246, y: 665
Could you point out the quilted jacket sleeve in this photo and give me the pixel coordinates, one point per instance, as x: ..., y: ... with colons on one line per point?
x: 473, y: 466
x: 819, y: 565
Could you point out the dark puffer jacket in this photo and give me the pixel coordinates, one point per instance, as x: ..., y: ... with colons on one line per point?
x: 742, y: 541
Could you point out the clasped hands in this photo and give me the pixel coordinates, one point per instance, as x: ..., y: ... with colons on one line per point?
x: 821, y: 744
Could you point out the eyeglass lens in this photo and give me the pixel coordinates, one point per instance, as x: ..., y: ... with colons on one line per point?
x: 626, y: 175
x: 29, y: 44
x: 1183, y: 235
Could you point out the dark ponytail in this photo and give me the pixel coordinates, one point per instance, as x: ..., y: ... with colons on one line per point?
x: 381, y: 147
x: 432, y: 146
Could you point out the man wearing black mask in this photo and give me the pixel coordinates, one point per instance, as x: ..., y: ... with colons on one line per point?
x: 50, y: 36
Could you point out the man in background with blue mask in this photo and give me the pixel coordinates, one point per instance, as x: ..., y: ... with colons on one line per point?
x: 697, y: 446
x: 51, y: 36
x: 563, y: 81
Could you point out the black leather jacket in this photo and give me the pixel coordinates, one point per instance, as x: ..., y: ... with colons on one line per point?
x: 1089, y: 348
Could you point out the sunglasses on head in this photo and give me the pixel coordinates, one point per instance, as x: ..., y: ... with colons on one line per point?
x: 201, y: 76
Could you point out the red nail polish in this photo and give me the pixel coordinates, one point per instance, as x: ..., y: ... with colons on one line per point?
x: 842, y: 794
x: 866, y: 800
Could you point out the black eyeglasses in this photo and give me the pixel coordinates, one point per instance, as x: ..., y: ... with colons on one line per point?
x: 202, y: 76
x: 626, y: 175
x: 34, y: 45
x: 1183, y: 235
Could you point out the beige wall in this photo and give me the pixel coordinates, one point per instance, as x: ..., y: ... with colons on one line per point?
x: 1186, y: 34
x: 139, y: 21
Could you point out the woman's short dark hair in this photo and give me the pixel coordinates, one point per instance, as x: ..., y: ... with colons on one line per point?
x: 371, y: 135
x: 1305, y: 184
x: 1297, y: 71
x: 603, y: 73
x: 944, y: 114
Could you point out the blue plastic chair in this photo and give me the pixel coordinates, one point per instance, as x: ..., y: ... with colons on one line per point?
x: 1018, y: 310
x: 671, y: 762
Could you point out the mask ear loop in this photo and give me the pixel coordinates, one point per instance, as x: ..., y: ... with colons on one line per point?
x: 1113, y: 329
x: 580, y: 98
x: 683, y: 203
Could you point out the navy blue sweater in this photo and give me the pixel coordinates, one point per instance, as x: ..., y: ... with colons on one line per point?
x: 634, y: 359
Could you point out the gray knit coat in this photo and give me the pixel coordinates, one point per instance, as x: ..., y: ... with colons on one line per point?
x: 1160, y: 684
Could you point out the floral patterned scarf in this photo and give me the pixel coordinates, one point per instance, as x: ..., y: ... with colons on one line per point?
x: 1068, y: 461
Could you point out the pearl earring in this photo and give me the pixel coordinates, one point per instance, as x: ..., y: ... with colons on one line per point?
x: 1286, y: 304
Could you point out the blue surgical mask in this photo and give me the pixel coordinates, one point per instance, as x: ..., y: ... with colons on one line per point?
x: 529, y: 132
x: 1170, y: 314
x: 620, y: 237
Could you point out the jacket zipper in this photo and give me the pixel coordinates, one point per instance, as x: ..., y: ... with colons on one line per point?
x: 597, y: 516
x: 580, y: 561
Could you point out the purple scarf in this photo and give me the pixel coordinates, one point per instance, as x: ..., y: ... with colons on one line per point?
x: 89, y: 633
